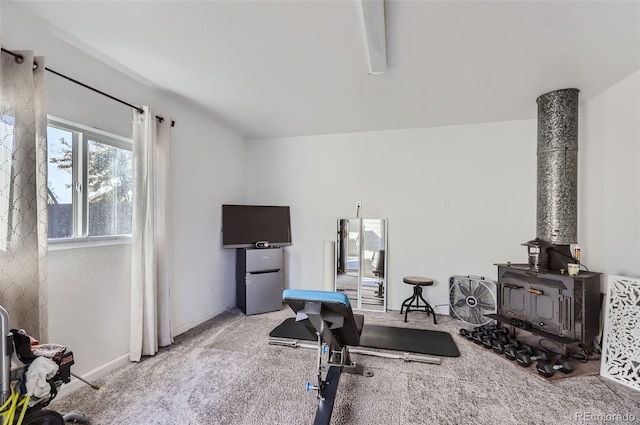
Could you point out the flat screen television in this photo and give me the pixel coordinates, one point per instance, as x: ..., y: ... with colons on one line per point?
x: 245, y: 225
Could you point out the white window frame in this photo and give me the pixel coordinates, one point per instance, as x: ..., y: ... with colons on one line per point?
x: 81, y: 135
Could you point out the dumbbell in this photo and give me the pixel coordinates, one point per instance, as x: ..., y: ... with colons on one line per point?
x: 525, y: 359
x: 493, y: 330
x: 499, y: 343
x: 467, y: 333
x: 500, y: 332
x: 487, y: 329
x: 510, y: 351
x: 547, y: 369
x: 487, y: 341
x: 524, y: 348
x: 501, y: 338
x: 495, y: 334
x: 476, y: 336
x: 478, y: 330
x: 490, y: 328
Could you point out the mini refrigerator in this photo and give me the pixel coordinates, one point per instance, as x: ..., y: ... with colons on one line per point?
x: 259, y: 280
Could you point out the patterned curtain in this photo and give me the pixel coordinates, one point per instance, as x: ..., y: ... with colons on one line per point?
x: 23, y: 193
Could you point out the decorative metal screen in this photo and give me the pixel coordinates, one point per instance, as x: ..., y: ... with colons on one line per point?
x: 621, y: 347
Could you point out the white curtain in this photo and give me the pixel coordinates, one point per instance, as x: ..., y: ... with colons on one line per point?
x: 23, y: 193
x: 150, y: 306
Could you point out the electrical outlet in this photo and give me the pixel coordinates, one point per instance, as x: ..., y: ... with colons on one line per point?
x: 358, y: 204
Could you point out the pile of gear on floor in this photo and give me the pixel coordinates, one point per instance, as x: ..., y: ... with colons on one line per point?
x: 40, y: 368
x: 498, y: 339
x: 30, y: 375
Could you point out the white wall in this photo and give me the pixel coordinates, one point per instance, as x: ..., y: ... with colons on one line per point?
x: 609, y: 180
x: 89, y: 288
x: 458, y: 199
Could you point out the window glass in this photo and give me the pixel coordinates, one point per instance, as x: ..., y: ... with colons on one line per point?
x: 60, y: 184
x: 109, y: 189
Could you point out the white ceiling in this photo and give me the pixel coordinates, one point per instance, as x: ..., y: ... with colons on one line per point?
x: 287, y: 68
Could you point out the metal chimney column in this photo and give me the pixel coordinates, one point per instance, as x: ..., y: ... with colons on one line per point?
x: 557, y: 211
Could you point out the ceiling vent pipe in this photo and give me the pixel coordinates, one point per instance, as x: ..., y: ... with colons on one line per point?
x: 557, y: 206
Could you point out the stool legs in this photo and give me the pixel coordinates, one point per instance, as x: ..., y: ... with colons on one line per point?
x: 406, y: 303
x: 417, y: 297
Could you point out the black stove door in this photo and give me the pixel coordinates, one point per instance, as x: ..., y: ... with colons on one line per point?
x: 544, y: 311
x: 513, y: 300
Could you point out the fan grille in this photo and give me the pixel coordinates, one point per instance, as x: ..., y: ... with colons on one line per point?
x: 471, y: 298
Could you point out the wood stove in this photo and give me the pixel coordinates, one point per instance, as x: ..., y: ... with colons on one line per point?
x: 539, y: 296
x: 560, y: 307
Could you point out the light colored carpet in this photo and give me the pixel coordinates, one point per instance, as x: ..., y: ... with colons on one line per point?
x: 224, y: 372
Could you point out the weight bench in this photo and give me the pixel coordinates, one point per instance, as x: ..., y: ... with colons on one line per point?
x: 329, y: 316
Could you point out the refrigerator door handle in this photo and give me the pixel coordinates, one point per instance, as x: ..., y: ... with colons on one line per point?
x: 265, y: 271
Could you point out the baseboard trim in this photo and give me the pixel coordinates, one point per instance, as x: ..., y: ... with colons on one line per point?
x: 123, y: 360
x: 195, y: 322
x: 94, y: 374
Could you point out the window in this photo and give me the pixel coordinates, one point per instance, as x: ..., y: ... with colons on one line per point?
x: 90, y: 183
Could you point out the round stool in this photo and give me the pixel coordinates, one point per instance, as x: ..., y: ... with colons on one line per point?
x: 413, y: 302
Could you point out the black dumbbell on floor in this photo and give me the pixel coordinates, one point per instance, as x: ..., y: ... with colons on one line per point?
x: 487, y: 341
x: 501, y: 331
x: 474, y: 335
x: 467, y: 333
x: 527, y: 349
x: 526, y: 359
x: 547, y: 369
x: 499, y: 343
x: 510, y: 351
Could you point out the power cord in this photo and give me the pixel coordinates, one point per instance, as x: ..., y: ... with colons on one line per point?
x: 548, y: 350
x: 581, y: 357
x: 598, y: 345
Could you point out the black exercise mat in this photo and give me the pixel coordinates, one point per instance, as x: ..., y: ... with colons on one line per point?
x: 292, y: 330
x: 435, y: 343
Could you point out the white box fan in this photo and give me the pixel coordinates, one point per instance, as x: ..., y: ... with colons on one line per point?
x: 470, y: 298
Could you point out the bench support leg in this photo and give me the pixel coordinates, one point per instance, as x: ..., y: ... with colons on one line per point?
x: 327, y: 396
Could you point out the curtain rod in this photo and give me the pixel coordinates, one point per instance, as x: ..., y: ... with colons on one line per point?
x: 19, y: 59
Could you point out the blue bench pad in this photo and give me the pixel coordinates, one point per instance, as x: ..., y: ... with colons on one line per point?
x: 336, y: 302
x: 320, y: 296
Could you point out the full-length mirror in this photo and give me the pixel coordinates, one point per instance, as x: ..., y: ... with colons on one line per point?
x: 361, y: 261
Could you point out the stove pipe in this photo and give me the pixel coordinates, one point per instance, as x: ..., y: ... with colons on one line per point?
x: 557, y: 206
